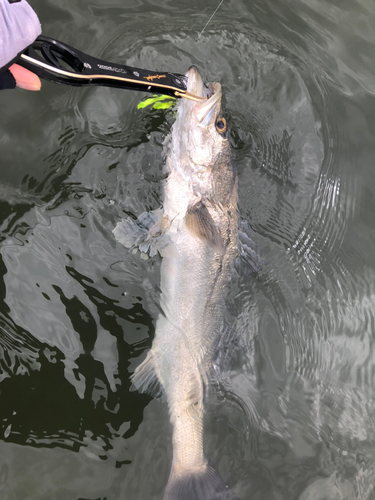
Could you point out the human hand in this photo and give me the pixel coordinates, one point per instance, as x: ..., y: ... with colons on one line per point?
x: 24, y: 78
x: 19, y: 27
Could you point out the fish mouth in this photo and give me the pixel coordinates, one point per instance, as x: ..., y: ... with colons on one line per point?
x: 195, y: 83
x: 204, y: 110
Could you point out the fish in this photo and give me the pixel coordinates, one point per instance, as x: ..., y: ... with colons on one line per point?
x: 197, y: 234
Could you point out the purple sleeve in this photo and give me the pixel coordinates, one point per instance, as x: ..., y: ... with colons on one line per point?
x: 19, y: 27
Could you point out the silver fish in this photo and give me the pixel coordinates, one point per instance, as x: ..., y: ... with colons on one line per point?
x: 197, y: 234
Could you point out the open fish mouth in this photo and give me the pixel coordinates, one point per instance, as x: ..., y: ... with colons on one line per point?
x: 197, y: 87
x: 195, y: 83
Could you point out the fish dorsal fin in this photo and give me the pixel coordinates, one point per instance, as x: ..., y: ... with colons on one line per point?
x: 249, y: 261
x: 145, y: 379
x: 200, y: 223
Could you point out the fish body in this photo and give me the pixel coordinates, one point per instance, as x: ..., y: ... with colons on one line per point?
x: 197, y: 236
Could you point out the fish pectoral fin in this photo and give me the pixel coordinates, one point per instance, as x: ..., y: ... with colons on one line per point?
x: 129, y: 233
x: 200, y: 223
x: 248, y: 261
x: 197, y: 484
x: 145, y: 234
x: 145, y: 379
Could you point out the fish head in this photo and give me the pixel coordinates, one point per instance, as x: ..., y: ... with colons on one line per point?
x: 200, y: 139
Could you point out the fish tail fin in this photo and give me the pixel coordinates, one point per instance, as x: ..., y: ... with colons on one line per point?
x: 197, y: 485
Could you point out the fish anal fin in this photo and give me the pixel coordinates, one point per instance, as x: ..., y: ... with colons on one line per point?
x: 200, y: 223
x: 197, y: 484
x: 145, y: 378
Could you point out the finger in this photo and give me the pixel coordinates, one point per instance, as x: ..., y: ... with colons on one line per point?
x: 25, y: 79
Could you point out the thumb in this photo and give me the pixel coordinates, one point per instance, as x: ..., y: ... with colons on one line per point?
x: 25, y: 79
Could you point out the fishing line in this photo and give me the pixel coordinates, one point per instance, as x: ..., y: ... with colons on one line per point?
x: 207, y: 23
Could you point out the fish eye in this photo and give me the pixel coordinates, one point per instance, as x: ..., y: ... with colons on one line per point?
x: 221, y: 125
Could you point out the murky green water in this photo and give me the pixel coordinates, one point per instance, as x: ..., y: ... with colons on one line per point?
x: 294, y: 416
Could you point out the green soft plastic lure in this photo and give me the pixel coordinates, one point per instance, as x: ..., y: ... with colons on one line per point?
x: 158, y: 102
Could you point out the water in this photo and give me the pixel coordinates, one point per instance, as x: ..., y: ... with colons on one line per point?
x: 294, y: 414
